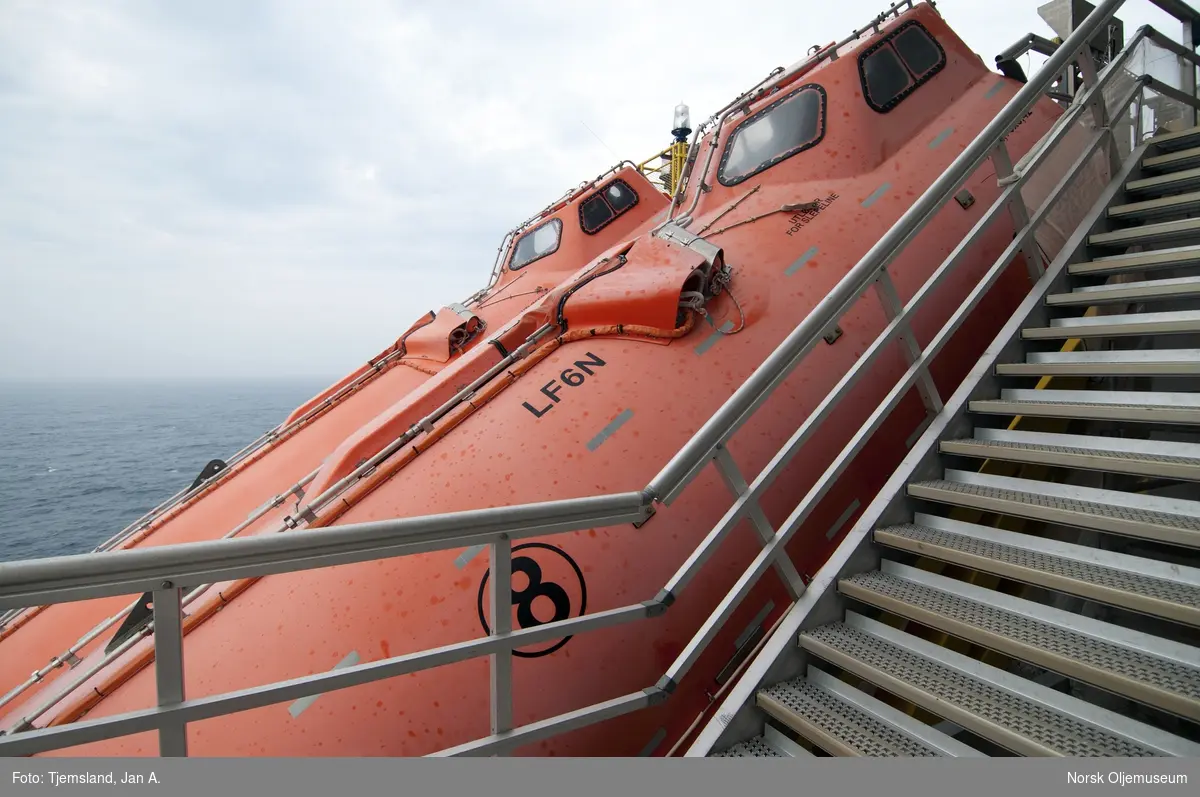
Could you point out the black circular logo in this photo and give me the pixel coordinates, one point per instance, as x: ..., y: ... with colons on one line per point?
x: 554, y: 578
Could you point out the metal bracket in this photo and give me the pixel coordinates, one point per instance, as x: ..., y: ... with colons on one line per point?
x: 711, y: 253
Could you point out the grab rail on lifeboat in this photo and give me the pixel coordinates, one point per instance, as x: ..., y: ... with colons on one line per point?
x: 161, y: 570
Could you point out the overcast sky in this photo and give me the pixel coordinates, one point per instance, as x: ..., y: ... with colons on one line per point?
x: 232, y: 189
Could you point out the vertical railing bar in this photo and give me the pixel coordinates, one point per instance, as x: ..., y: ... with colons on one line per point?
x: 1018, y: 210
x: 1087, y: 65
x: 1188, y: 72
x: 885, y: 289
x: 737, y: 485
x: 500, y: 663
x: 168, y: 665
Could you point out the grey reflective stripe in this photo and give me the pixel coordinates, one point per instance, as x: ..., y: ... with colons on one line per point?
x: 994, y: 89
x: 462, y: 311
x: 608, y: 430
x: 941, y: 138
x: 800, y: 261
x: 841, y: 521
x: 712, y: 339
x: 466, y: 556
x: 654, y: 742
x: 879, y: 192
x: 297, y: 708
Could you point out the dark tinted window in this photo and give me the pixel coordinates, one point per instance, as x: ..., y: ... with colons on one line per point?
x: 619, y: 196
x: 898, y: 64
x: 885, y: 76
x: 785, y: 127
x: 605, y: 205
x: 919, y: 52
x: 595, y: 213
x: 536, y: 243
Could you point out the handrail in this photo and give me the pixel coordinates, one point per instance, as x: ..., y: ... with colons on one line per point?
x: 160, y: 570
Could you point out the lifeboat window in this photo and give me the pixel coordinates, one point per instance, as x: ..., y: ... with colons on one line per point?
x: 895, y: 66
x: 598, y: 210
x: 536, y: 244
x: 785, y: 127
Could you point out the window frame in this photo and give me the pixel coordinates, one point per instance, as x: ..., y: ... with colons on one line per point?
x: 615, y: 213
x: 517, y: 242
x: 917, y: 81
x: 767, y: 164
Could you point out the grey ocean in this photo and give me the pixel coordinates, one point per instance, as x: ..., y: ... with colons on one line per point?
x: 79, y: 462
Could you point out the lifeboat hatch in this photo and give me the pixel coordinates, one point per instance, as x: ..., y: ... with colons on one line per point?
x: 451, y: 330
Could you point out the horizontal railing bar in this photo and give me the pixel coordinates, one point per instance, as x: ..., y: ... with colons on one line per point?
x: 1170, y: 44
x: 1180, y: 10
x: 84, y: 731
x: 500, y: 743
x: 1158, y: 87
x: 84, y: 576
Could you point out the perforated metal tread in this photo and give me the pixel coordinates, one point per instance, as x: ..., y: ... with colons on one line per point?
x: 1077, y: 457
x: 1018, y: 557
x: 1137, y: 413
x: 1009, y: 719
x: 1117, y: 326
x: 835, y: 725
x: 1027, y: 631
x: 1173, y: 160
x: 1178, y: 229
x: 1139, y: 261
x: 1182, y: 180
x: 751, y: 748
x: 1147, y: 524
x: 1156, y: 362
x: 1121, y: 292
x: 1157, y: 208
x: 1173, y: 142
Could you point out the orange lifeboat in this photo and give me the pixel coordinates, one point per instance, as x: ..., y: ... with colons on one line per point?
x: 636, y: 332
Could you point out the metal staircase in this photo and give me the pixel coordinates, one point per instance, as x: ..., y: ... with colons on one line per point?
x: 1031, y: 583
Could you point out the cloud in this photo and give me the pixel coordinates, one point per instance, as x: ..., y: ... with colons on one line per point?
x: 254, y: 189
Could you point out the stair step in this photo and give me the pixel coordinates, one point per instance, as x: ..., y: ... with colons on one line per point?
x: 1175, y: 182
x: 844, y: 721
x: 1173, y: 142
x: 1115, y: 326
x: 1014, y: 712
x: 1111, y: 454
x: 1138, y: 666
x: 1142, y: 585
x: 1140, y: 362
x: 1168, y: 520
x: 1177, y: 230
x: 1179, y: 159
x: 1157, y: 208
x: 772, y: 744
x: 1138, y: 261
x: 1107, y: 405
x: 1120, y: 293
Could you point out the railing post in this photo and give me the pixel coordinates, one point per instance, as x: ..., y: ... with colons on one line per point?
x: 893, y: 307
x: 737, y: 485
x: 500, y: 593
x: 168, y: 665
x: 1017, y: 208
x: 1087, y: 65
x: 1187, y: 82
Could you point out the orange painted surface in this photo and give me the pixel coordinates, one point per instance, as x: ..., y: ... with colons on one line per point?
x: 603, y: 413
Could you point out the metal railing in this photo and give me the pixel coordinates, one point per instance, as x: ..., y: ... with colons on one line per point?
x: 162, y: 570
